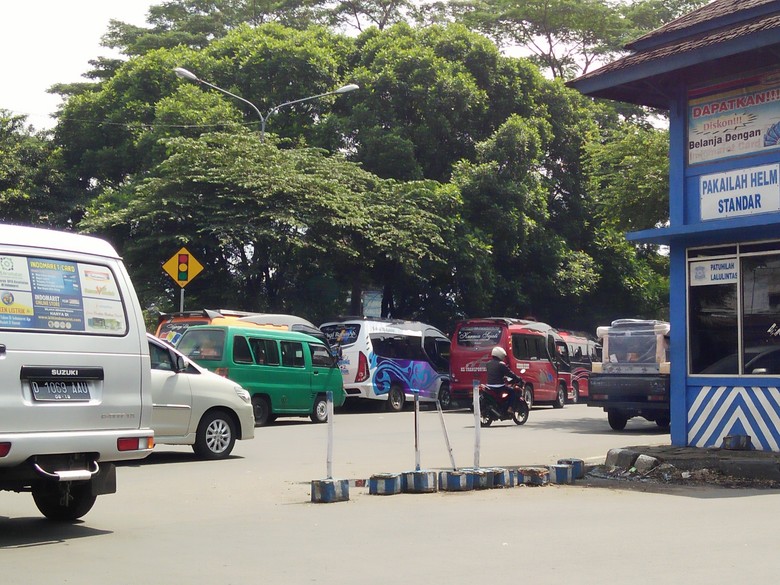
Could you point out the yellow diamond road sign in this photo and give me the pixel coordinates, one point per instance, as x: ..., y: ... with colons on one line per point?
x: 182, y: 267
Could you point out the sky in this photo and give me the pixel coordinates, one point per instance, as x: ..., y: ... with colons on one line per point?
x: 44, y: 42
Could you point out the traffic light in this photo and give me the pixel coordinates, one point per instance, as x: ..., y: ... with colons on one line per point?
x: 184, y: 267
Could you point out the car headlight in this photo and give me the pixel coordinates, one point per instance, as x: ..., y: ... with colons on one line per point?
x: 243, y: 394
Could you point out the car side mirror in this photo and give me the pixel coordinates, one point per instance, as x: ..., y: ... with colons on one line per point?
x: 181, y: 363
x: 759, y: 371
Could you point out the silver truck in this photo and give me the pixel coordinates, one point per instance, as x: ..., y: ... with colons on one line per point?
x: 633, y: 377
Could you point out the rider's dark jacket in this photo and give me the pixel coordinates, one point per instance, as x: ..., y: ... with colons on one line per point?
x: 498, y: 371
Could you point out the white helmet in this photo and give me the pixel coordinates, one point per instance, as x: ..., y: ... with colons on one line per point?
x: 498, y: 352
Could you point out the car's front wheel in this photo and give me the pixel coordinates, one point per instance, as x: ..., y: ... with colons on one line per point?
x: 216, y: 436
x: 560, y: 397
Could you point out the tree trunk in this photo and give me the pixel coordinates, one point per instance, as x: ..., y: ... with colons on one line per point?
x: 356, y: 303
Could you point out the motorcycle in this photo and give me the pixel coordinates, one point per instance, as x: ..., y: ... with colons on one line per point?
x: 494, y: 405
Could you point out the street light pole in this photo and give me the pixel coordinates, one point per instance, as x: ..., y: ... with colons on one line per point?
x: 185, y: 74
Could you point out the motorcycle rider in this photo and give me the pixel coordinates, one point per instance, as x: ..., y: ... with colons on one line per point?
x: 498, y: 373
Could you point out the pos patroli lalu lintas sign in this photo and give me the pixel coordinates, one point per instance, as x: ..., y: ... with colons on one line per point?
x: 182, y: 267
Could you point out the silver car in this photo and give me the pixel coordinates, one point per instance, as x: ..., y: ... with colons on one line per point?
x: 192, y: 406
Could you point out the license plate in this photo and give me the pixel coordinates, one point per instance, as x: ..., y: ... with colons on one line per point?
x: 60, y: 390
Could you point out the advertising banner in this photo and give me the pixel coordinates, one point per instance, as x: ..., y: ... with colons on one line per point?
x: 734, y: 118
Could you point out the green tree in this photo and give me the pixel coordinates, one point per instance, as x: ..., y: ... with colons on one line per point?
x: 628, y: 177
x: 31, y: 190
x: 567, y: 37
x: 263, y: 222
x: 430, y: 94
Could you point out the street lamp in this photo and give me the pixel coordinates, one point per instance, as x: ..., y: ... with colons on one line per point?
x: 185, y: 74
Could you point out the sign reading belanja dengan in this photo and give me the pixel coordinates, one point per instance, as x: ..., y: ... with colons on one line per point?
x: 734, y: 117
x: 741, y: 192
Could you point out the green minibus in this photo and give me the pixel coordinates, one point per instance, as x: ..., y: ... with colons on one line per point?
x: 287, y: 373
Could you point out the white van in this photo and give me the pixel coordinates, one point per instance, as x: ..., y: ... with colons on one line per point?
x: 391, y: 360
x: 75, y: 371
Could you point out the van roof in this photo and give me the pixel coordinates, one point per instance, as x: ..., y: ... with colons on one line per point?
x: 34, y: 237
x: 277, y: 319
x: 374, y: 325
x: 258, y: 332
x: 498, y: 320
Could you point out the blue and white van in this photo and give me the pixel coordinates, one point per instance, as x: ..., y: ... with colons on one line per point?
x: 391, y: 360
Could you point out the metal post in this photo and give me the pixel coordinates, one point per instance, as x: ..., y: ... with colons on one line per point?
x: 181, y: 301
x: 446, y: 435
x: 329, y: 395
x: 477, y: 417
x: 416, y: 432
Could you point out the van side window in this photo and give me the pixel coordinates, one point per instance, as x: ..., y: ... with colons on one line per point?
x: 241, y: 352
x: 320, y: 356
x: 292, y: 354
x: 438, y: 351
x: 265, y: 350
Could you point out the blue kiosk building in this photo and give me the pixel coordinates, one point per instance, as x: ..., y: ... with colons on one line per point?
x: 717, y: 72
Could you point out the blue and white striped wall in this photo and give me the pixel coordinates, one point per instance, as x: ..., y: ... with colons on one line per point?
x: 718, y: 411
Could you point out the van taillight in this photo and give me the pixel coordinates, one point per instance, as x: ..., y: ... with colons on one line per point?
x: 221, y: 372
x: 134, y: 443
x: 5, y: 448
x: 362, y: 371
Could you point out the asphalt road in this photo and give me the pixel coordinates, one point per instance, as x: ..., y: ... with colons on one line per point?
x: 249, y: 519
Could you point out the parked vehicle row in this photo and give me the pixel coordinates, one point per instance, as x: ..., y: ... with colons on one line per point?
x: 396, y: 361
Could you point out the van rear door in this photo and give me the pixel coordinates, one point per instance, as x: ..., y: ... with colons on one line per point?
x: 63, y: 317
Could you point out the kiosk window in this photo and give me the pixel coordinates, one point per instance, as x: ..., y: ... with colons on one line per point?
x: 734, y: 312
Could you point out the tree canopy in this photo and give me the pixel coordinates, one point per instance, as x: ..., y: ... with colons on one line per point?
x: 459, y: 181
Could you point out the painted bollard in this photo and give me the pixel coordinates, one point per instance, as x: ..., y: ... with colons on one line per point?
x: 484, y: 478
x: 578, y: 466
x: 561, y: 474
x: 456, y: 481
x: 385, y: 484
x: 419, y: 482
x: 503, y: 477
x: 326, y: 491
x: 533, y: 475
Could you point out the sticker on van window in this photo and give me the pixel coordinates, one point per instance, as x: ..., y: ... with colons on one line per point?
x: 54, y: 295
x: 341, y: 334
x: 477, y: 336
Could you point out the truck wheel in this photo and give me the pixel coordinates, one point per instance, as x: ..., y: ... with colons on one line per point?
x: 63, y: 502
x: 395, y: 399
x: 575, y: 397
x: 319, y: 413
x: 215, y: 437
x: 528, y: 395
x: 617, y: 420
x: 262, y: 408
x: 560, y: 398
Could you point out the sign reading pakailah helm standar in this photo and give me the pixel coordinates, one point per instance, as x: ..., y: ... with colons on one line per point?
x: 741, y: 192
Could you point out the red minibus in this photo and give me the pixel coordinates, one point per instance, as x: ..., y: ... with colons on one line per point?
x: 583, y: 351
x: 535, y: 352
